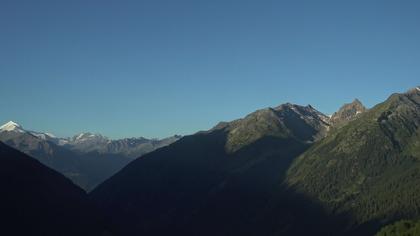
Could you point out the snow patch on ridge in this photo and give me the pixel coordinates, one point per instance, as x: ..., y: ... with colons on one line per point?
x: 80, y: 136
x: 44, y: 136
x: 12, y: 126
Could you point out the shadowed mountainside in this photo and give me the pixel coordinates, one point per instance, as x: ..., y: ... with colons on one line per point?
x: 225, y: 181
x: 36, y: 200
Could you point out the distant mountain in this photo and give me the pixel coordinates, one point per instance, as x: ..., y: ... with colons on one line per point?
x: 12, y: 127
x: 86, y: 170
x: 369, y: 168
x: 347, y: 112
x: 87, y: 159
x: 36, y: 200
x: 225, y: 181
x: 130, y: 147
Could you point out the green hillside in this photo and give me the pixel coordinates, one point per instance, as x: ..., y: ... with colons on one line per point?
x: 401, y: 228
x: 368, y: 169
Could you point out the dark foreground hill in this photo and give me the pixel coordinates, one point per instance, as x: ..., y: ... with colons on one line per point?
x: 36, y: 200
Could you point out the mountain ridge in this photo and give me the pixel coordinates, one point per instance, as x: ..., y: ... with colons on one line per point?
x: 208, y: 174
x: 87, y: 142
x: 274, y: 157
x: 353, y: 169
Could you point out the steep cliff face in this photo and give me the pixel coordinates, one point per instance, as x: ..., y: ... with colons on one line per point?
x: 347, y: 112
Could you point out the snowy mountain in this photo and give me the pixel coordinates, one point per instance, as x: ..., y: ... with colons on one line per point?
x: 87, y: 159
x: 11, y: 127
x: 130, y: 147
x: 87, y: 142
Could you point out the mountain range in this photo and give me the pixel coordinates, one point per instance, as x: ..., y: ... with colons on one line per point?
x: 87, y: 159
x: 226, y: 180
x: 286, y: 170
x: 129, y: 147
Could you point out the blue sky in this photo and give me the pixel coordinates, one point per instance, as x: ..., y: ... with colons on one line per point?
x: 157, y: 68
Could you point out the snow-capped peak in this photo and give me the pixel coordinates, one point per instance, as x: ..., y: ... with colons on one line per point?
x: 80, y: 136
x: 87, y: 135
x: 44, y: 136
x: 51, y: 135
x: 12, y: 126
x: 418, y: 88
x: 83, y: 137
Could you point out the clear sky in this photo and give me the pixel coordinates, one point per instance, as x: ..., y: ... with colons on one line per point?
x: 157, y: 68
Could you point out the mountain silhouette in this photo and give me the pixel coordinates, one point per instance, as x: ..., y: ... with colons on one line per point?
x: 37, y: 200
